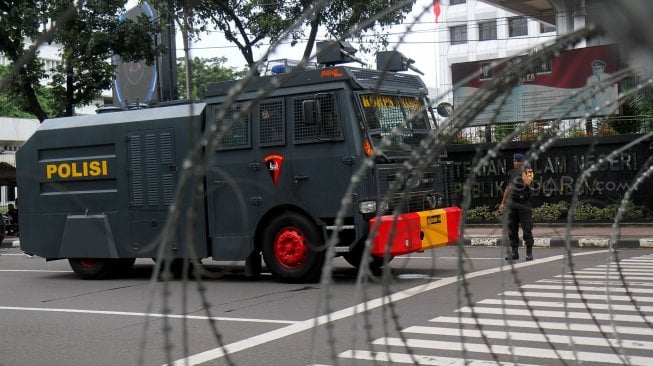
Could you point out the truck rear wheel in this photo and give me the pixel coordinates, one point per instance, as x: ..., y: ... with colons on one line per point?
x: 293, y: 249
x: 97, y: 269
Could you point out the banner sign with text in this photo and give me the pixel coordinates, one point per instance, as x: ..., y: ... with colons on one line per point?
x: 559, y: 172
x: 565, y: 86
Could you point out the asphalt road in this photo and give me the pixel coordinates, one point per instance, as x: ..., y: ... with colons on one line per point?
x: 49, y: 316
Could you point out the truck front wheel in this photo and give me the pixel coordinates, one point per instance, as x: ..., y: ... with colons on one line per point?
x: 97, y: 269
x: 293, y: 249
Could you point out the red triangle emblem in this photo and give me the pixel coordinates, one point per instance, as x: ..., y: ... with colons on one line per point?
x: 274, y: 162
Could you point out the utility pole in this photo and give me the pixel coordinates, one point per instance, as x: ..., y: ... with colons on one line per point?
x: 184, y: 31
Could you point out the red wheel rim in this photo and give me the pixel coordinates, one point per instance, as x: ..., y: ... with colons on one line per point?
x: 290, y: 247
x: 87, y: 263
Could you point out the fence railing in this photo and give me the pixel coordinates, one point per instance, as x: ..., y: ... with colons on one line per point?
x: 608, y: 126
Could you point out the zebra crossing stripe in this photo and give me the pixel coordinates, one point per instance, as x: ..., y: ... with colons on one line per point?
x: 554, y: 314
x: 587, y: 282
x: 637, y: 260
x: 614, y: 282
x: 534, y: 337
x: 531, y: 294
x: 628, y: 270
x: 570, y: 305
x: 615, y: 273
x: 630, y: 278
x: 548, y: 325
x: 420, y: 359
x: 644, y: 268
x: 590, y: 288
x: 625, y: 265
x: 519, y: 351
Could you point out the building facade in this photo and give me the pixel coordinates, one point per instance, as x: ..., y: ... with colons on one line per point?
x: 474, y: 30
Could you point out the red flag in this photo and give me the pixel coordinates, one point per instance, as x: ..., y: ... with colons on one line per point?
x: 436, y: 9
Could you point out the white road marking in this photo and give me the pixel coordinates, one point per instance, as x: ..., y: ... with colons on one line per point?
x: 632, y: 290
x: 36, y: 270
x: 576, y: 327
x: 420, y: 359
x: 554, y: 314
x: 569, y: 305
x: 298, y: 327
x: 531, y: 352
x: 151, y: 315
x: 532, y: 294
x: 529, y: 337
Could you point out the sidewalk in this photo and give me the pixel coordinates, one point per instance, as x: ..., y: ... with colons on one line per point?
x: 9, y: 242
x: 580, y: 236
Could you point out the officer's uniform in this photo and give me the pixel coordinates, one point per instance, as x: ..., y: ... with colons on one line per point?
x: 519, y: 212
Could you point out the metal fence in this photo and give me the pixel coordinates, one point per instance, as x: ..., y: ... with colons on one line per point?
x: 524, y: 131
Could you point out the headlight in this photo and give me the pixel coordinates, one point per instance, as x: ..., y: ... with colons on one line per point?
x: 366, y: 207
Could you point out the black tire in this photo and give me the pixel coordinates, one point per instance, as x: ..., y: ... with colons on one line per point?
x: 355, y: 257
x: 293, y: 249
x: 97, y: 269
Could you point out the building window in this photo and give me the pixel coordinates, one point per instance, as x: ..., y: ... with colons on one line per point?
x: 517, y: 26
x: 456, y: 2
x: 545, y: 28
x: 487, y: 30
x: 458, y: 34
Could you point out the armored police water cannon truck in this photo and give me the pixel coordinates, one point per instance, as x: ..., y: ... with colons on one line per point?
x: 98, y: 189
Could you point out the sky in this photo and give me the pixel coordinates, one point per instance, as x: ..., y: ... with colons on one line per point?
x: 418, y: 44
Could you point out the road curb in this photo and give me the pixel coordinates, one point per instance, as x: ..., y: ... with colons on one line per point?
x: 562, y: 242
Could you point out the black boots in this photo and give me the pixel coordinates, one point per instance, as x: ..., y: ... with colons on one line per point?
x: 514, y: 255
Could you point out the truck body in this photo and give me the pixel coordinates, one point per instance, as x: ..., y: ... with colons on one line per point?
x: 98, y: 190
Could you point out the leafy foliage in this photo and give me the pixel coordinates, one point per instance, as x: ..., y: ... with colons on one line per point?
x: 249, y: 23
x: 552, y: 212
x: 588, y: 212
x: 14, y: 104
x: 89, y: 36
x: 501, y: 131
x: 205, y: 70
x: 483, y: 213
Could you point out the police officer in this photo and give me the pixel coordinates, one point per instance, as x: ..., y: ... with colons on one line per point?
x: 517, y: 199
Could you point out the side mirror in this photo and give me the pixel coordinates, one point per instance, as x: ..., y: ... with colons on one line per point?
x: 311, y: 112
x: 444, y: 109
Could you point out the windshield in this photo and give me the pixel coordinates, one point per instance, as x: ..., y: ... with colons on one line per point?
x: 383, y: 113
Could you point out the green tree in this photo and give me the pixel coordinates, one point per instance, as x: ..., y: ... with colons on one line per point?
x: 639, y: 106
x: 89, y: 33
x: 14, y: 104
x: 248, y: 23
x: 206, y: 70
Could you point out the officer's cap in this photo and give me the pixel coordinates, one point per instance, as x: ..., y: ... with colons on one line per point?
x: 519, y: 157
x: 598, y: 63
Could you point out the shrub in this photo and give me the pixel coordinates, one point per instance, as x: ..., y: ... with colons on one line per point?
x: 631, y: 212
x: 550, y: 212
x: 586, y: 212
x: 483, y: 213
